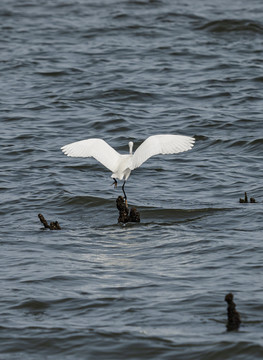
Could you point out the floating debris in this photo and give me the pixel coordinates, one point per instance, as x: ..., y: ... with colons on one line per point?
x: 245, y: 200
x: 52, y: 226
x: 234, y: 320
x: 124, y: 214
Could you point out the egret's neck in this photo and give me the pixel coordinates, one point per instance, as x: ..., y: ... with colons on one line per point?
x: 130, y: 146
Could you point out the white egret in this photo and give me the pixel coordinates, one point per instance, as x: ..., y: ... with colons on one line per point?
x: 122, y: 165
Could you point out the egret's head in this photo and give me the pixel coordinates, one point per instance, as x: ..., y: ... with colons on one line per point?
x: 130, y: 146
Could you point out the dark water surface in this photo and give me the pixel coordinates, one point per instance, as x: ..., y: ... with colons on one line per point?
x: 124, y: 70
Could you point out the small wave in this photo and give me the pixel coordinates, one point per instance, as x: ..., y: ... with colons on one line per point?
x: 89, y: 201
x: 232, y: 25
x: 127, y: 94
x: 120, y: 16
x: 179, y: 215
x: 57, y: 73
x: 172, y: 16
x: 258, y: 79
x: 32, y: 305
x: 247, y: 144
x: 52, y: 73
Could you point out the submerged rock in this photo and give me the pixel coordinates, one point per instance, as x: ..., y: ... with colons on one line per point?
x: 52, y: 226
x: 233, y: 321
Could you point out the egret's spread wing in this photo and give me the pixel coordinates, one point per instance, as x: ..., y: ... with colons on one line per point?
x: 161, y: 144
x: 96, y: 148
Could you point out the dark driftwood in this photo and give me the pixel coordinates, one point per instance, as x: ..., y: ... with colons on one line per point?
x: 124, y: 214
x: 233, y: 321
x: 245, y: 200
x: 52, y: 226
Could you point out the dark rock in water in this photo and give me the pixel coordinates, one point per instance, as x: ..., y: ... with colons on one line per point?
x: 243, y: 201
x: 234, y: 320
x: 53, y: 225
x: 124, y: 214
x: 134, y: 215
x: 123, y: 210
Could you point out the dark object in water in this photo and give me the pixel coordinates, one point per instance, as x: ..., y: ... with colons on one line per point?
x: 134, y: 215
x: 123, y: 210
x: 124, y: 214
x: 245, y: 200
x: 53, y: 225
x: 234, y: 320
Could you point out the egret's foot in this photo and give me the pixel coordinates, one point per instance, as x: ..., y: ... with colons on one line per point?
x: 114, y: 183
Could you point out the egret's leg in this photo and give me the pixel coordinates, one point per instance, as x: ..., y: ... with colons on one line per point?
x: 115, y: 183
x: 125, y: 197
